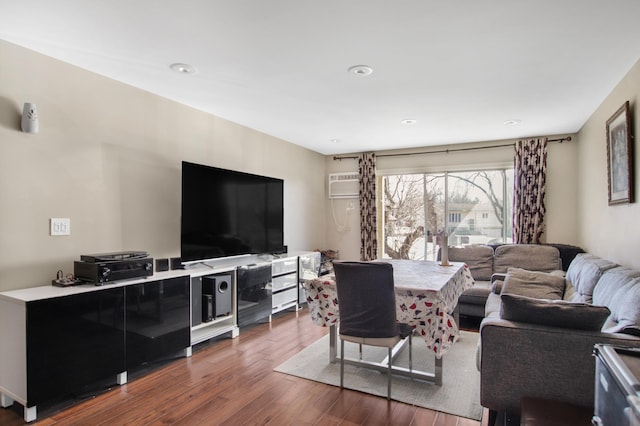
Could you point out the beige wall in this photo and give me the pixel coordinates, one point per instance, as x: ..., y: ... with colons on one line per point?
x: 611, y: 232
x: 108, y: 157
x: 561, y: 186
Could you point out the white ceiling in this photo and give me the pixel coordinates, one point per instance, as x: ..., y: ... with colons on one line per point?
x: 459, y: 68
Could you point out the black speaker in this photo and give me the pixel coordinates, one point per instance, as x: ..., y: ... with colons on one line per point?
x: 162, y: 265
x: 176, y: 263
x: 207, y: 307
x: 219, y: 287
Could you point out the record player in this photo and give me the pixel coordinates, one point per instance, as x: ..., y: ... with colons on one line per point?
x: 106, y: 267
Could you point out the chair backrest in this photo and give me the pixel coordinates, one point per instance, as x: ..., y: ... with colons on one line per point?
x: 366, y: 299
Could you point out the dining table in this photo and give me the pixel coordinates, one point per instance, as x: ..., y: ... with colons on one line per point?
x: 426, y: 294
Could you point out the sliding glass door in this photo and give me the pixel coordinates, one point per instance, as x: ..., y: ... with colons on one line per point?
x: 418, y: 209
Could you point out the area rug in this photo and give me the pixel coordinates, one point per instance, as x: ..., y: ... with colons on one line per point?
x: 459, y: 394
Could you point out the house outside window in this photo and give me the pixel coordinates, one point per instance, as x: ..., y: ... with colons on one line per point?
x: 417, y: 209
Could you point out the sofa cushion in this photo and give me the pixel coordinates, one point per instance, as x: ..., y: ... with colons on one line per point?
x: 533, y: 257
x: 554, y: 313
x: 479, y: 259
x: 569, y: 291
x: 567, y: 253
x: 471, y: 310
x: 584, y: 273
x: 492, y: 307
x: 477, y: 294
x: 540, y: 285
x: 624, y: 308
x: 611, y: 282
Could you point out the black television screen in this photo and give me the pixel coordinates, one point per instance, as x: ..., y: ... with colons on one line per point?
x: 229, y: 213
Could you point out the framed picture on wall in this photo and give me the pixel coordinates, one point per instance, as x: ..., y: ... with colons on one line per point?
x: 619, y: 156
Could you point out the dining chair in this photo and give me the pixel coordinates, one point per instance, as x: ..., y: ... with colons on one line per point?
x: 366, y: 302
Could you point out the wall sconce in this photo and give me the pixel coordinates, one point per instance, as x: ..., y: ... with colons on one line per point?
x: 30, y: 118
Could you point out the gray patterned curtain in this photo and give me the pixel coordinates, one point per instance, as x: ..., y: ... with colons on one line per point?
x: 530, y: 175
x: 368, y: 225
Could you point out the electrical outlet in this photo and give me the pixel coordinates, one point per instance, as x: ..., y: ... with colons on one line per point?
x: 60, y: 226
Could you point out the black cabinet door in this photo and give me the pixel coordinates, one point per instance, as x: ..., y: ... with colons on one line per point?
x: 158, y: 322
x: 72, y: 342
x: 254, y: 296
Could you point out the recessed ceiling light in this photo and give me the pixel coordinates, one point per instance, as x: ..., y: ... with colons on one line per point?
x: 183, y: 68
x: 361, y: 70
x: 512, y: 122
x: 335, y: 140
x: 409, y: 121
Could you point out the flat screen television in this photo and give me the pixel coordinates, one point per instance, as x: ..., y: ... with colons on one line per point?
x: 229, y: 213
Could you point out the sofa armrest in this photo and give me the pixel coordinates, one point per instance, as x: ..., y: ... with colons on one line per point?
x: 497, y: 280
x: 498, y: 276
x: 519, y: 359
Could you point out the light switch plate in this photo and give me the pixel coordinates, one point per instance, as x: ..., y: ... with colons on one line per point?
x: 60, y: 226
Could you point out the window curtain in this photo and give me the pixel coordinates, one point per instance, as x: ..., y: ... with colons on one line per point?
x: 530, y: 175
x: 368, y: 223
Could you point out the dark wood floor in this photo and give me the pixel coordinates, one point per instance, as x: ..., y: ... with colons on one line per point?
x: 232, y: 382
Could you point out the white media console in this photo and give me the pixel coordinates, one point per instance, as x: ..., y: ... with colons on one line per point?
x: 56, y: 341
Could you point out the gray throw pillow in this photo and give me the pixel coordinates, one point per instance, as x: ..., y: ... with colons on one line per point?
x: 625, y: 307
x: 540, y: 285
x: 555, y: 313
x: 584, y: 273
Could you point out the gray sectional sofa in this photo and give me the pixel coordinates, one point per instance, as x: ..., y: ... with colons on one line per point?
x: 539, y: 331
x: 484, y: 262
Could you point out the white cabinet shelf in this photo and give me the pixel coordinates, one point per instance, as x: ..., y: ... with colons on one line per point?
x: 215, y: 328
x: 284, y: 284
x: 213, y: 323
x: 204, y: 330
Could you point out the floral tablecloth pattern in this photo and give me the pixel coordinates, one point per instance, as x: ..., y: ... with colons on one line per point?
x: 426, y: 295
x: 322, y: 299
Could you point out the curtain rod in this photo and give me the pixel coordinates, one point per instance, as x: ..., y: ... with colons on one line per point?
x: 446, y: 151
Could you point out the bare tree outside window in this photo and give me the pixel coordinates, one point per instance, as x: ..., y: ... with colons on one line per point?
x: 403, y: 209
x: 413, y: 209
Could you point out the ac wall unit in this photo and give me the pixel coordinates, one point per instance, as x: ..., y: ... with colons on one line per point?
x: 344, y: 185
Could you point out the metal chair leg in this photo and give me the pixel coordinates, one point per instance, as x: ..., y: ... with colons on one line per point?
x: 410, y: 353
x: 341, y: 364
x: 389, y: 376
